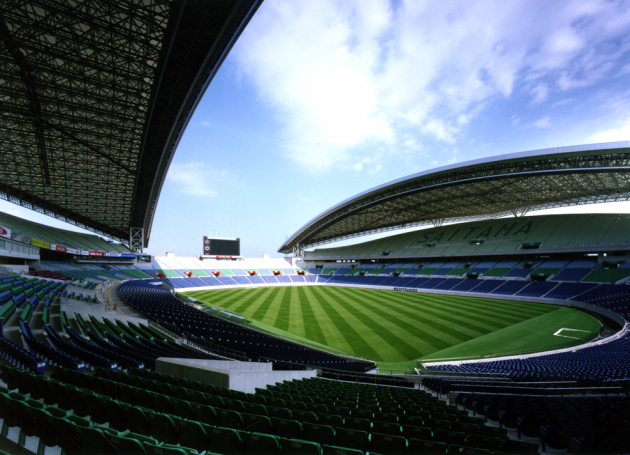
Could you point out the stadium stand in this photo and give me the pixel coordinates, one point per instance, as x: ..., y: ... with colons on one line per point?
x: 69, y: 239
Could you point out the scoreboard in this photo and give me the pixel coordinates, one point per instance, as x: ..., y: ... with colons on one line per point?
x: 221, y: 247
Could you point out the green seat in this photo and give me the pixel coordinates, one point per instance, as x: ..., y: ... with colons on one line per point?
x: 167, y: 449
x: 263, y: 392
x: 128, y: 394
x: 233, y: 405
x: 280, y: 413
x: 11, y: 405
x: 182, y: 408
x: 385, y: 417
x: 465, y: 427
x: 116, y: 415
x: 386, y: 428
x: 222, y: 392
x: 449, y: 437
x: 48, y: 433
x: 387, y: 444
x: 255, y: 408
x: 256, y: 423
x: 299, y: 447
x: 330, y: 420
x: 141, y: 437
x: 481, y: 441
x: 339, y: 410
x: 286, y: 428
x: 137, y: 420
x: 321, y: 434
x: 393, y: 410
x: 350, y: 404
x: 495, y: 432
x: 205, y: 414
x: 230, y: 419
x: 264, y: 444
x: 9, y: 376
x: 413, y: 421
x: 193, y: 434
x: 257, y: 399
x: 164, y: 427
x: 27, y: 417
x: 410, y: 431
x: 317, y: 408
x: 197, y: 396
x: 92, y: 440
x: 354, y: 423
x: 458, y: 448
x: 305, y: 416
x: 224, y: 440
x: 146, y: 399
x: 126, y: 445
x: 362, y: 414
x: 296, y: 405
x: 67, y: 435
x: 42, y: 428
x: 438, y: 424
x: 424, y: 446
x: 182, y: 393
x: 352, y: 438
x: 277, y: 402
x: 215, y: 401
x: 334, y: 450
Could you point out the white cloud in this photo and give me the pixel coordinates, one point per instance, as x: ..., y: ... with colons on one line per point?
x: 343, y: 75
x: 206, y: 123
x: 543, y: 122
x: 540, y: 93
x: 621, y: 133
x: 194, y: 179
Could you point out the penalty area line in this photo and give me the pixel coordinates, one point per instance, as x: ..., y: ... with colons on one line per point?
x: 571, y: 330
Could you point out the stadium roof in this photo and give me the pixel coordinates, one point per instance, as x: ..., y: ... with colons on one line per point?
x: 96, y: 95
x: 485, y: 188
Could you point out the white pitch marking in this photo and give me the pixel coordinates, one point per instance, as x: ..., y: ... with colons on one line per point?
x: 566, y: 336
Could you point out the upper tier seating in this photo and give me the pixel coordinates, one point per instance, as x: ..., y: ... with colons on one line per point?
x: 543, y: 232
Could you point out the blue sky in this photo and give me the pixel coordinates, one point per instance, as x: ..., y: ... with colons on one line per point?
x: 320, y: 100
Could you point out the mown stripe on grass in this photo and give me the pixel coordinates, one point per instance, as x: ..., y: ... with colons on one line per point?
x: 346, y: 323
x: 477, y: 312
x: 437, y: 332
x: 311, y: 316
x: 391, y: 346
x: 261, y: 312
x: 283, y: 309
x: 296, y: 320
x: 443, y: 319
x: 247, y: 306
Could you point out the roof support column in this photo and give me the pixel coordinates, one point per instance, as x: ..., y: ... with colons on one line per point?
x: 298, y: 251
x: 136, y: 239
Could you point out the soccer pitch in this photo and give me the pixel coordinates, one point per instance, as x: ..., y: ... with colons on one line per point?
x: 396, y: 328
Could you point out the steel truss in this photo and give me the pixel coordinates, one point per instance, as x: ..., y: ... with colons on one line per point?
x: 488, y: 190
x: 95, y: 96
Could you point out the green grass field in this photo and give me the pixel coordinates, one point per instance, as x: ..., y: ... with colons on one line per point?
x: 396, y: 328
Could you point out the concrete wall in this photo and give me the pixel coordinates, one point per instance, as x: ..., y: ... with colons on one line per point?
x: 241, y: 376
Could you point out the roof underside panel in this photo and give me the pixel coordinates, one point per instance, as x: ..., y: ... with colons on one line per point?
x: 93, y: 95
x: 493, y: 188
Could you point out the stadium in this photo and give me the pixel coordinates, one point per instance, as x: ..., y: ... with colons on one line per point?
x: 481, y: 328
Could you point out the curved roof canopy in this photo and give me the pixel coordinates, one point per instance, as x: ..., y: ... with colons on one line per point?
x: 478, y: 189
x: 95, y: 97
